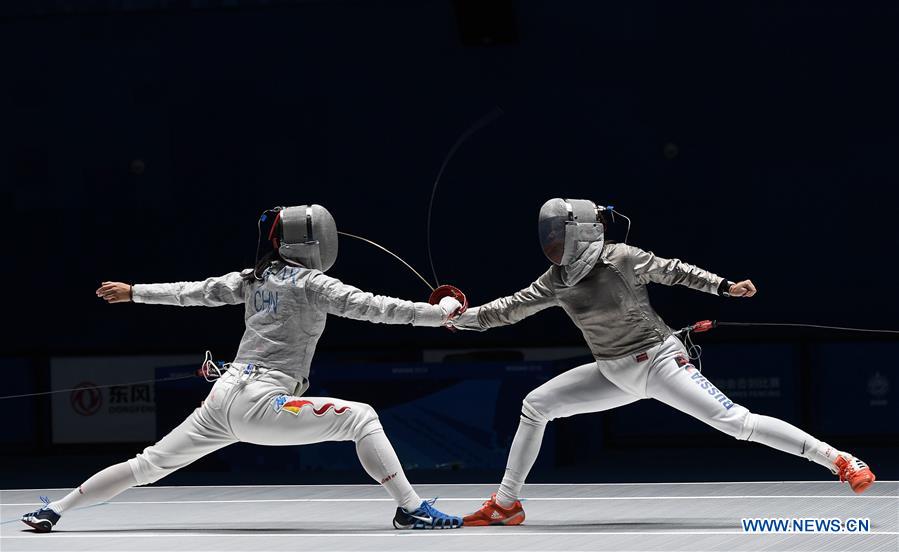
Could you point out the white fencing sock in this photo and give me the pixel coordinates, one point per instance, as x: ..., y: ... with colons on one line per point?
x: 522, y: 455
x: 381, y: 463
x: 99, y: 488
x: 789, y: 438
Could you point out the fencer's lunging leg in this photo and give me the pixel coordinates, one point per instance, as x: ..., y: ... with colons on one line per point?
x: 378, y: 458
x: 673, y: 380
x: 522, y: 455
x: 578, y: 391
x: 196, y: 436
x: 786, y: 437
x: 291, y: 420
x: 100, y: 487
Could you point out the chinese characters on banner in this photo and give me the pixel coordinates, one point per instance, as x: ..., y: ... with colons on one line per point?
x: 112, y: 398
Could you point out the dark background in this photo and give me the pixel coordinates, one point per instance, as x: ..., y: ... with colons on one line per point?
x: 140, y: 141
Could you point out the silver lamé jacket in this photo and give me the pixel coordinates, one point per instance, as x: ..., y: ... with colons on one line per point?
x: 608, y: 300
x: 285, y: 312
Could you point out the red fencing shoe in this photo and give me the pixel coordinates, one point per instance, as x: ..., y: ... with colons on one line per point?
x: 492, y: 513
x: 856, y: 472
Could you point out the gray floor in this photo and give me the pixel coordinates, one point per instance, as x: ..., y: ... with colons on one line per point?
x: 688, y: 516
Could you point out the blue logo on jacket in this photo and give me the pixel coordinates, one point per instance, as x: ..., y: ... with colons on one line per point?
x: 265, y: 300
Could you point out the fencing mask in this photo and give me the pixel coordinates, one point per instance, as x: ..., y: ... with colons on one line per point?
x: 306, y: 235
x: 565, y: 224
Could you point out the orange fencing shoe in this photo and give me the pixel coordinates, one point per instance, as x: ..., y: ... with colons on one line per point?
x: 856, y: 472
x: 492, y: 513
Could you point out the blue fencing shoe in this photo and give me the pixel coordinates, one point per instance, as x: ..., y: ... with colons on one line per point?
x: 425, y: 517
x: 43, y: 519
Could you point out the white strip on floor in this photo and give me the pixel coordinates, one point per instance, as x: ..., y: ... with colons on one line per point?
x: 651, y: 517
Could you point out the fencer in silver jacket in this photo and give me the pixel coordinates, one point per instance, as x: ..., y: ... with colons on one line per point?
x: 602, y: 287
x: 287, y: 296
x: 260, y: 398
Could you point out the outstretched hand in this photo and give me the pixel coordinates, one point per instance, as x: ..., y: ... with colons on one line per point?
x: 115, y: 292
x: 451, y: 308
x: 742, y: 289
x: 451, y: 300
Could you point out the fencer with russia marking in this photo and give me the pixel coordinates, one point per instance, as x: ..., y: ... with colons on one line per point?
x: 287, y: 298
x: 602, y: 286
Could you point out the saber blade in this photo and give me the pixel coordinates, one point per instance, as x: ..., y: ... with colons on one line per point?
x: 395, y: 256
x: 493, y: 115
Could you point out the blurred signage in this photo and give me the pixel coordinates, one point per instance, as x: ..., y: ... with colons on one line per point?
x: 854, y: 391
x: 108, y: 399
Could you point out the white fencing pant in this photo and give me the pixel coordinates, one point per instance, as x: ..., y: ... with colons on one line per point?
x: 663, y: 373
x: 260, y: 407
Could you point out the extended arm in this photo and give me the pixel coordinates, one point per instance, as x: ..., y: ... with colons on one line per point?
x: 650, y: 268
x: 212, y: 292
x: 334, y: 297
x: 510, y: 309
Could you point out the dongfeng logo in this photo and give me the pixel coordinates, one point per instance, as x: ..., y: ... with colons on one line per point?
x: 86, y: 399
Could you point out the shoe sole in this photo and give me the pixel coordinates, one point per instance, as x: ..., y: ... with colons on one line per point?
x: 425, y: 528
x: 435, y: 528
x: 863, y: 483
x: 40, y: 527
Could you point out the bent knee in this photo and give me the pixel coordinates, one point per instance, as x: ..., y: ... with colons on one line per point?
x: 365, y: 420
x: 534, y: 408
